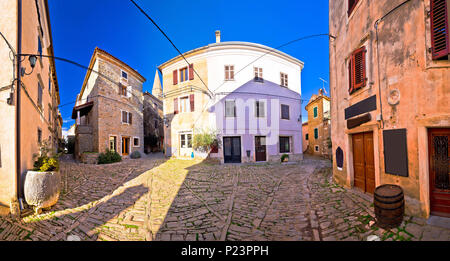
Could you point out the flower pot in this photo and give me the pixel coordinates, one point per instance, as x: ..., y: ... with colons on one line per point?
x: 42, y: 189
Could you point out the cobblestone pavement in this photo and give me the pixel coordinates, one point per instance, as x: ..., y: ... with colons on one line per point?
x: 158, y: 199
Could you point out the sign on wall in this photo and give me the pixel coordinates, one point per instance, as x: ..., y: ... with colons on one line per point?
x: 395, y: 152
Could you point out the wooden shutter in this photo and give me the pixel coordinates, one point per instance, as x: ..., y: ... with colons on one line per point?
x: 439, y: 29
x: 130, y: 118
x: 358, y: 69
x: 191, y: 100
x: 175, y: 106
x: 191, y: 71
x: 124, y: 116
x: 350, y: 82
x: 175, y: 77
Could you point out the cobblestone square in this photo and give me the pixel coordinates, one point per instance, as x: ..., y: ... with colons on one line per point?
x: 171, y: 200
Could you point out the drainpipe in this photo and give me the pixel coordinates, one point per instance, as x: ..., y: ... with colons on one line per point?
x: 18, y: 88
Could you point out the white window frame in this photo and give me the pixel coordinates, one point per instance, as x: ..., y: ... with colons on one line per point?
x: 186, y: 140
x: 117, y: 141
x: 128, y: 117
x: 188, y: 108
x: 290, y: 144
x: 225, y: 72
x: 139, y: 142
x: 121, y: 75
x: 281, y: 111
x: 235, y: 109
x: 284, y: 79
x: 265, y: 109
x: 258, y: 72
x: 179, y: 74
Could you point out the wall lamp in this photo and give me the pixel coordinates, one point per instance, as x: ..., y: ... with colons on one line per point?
x: 32, y: 59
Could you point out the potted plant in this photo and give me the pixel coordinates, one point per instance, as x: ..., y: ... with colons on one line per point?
x: 284, y: 158
x: 42, y: 184
x: 205, y: 141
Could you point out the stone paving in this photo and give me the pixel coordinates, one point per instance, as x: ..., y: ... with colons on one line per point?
x: 159, y: 199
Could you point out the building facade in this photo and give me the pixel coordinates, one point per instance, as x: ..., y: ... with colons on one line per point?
x: 109, y: 108
x: 390, y: 91
x: 26, y: 29
x: 319, y: 125
x: 153, y: 122
x: 305, y: 136
x: 253, y: 107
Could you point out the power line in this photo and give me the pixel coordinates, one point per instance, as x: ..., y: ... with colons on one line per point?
x: 167, y: 37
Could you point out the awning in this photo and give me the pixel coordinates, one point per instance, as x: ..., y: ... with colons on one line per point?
x: 84, y: 109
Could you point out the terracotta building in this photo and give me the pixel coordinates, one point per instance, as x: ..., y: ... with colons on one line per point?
x: 319, y: 129
x: 25, y: 122
x: 153, y: 118
x: 109, y: 108
x: 390, y: 93
x: 305, y: 135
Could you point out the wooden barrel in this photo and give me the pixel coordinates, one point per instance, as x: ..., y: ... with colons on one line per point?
x: 389, y: 204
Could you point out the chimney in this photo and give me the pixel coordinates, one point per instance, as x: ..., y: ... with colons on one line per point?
x: 218, y: 36
x: 320, y: 92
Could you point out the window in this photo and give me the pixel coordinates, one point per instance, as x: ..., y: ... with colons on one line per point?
x: 49, y: 81
x: 284, y: 79
x: 124, y: 75
x: 357, y: 70
x: 184, y: 74
x: 186, y: 141
x: 351, y: 6
x: 135, y: 142
x: 39, y: 135
x: 229, y: 72
x: 259, y: 109
x: 316, y: 133
x: 184, y: 104
x: 316, y: 148
x: 123, y: 90
x: 127, y: 117
x: 306, y: 136
x: 175, y: 77
x: 39, y: 46
x: 113, y: 143
x: 230, y: 108
x: 315, y: 112
x: 284, y: 112
x: 49, y: 116
x: 440, y: 46
x: 258, y: 74
x: 285, y: 146
x: 39, y: 100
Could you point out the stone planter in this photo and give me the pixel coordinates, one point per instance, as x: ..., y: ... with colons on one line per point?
x: 42, y: 189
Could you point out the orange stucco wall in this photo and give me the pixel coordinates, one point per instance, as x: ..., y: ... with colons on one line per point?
x: 405, y: 64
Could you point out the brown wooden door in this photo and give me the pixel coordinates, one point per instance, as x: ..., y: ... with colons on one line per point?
x: 363, y: 161
x: 439, y: 151
x: 125, y: 146
x: 260, y: 148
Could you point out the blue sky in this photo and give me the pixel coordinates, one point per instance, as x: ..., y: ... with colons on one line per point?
x: 119, y: 28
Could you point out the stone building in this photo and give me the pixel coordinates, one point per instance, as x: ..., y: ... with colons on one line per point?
x: 109, y: 108
x: 30, y: 118
x: 319, y: 129
x: 390, y: 92
x: 153, y: 118
x: 253, y: 111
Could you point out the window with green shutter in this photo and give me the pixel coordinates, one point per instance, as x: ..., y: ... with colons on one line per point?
x: 316, y: 133
x: 315, y: 112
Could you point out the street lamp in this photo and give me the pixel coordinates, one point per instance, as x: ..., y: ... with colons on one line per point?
x: 32, y: 59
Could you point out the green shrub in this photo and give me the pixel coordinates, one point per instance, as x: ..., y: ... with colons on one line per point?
x: 135, y: 155
x: 204, y: 141
x: 284, y: 156
x: 109, y: 157
x: 44, y: 162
